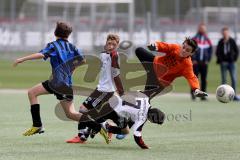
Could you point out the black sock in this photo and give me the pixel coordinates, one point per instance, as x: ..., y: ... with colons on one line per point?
x: 87, y: 122
x: 80, y: 127
x: 114, y: 129
x: 35, y: 111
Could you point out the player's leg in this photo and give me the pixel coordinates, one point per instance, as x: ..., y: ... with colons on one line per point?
x: 147, y: 58
x: 69, y: 110
x: 122, y: 136
x: 83, y: 119
x: 120, y: 131
x: 204, y: 71
x: 36, y: 91
x: 92, y: 105
x: 144, y: 55
x: 33, y: 94
x: 83, y: 131
x: 121, y: 128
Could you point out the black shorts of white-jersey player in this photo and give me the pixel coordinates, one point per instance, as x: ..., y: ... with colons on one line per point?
x: 109, y: 82
x: 135, y: 108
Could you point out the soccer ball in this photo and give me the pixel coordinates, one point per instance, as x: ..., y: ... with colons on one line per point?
x: 225, y: 93
x: 124, y: 45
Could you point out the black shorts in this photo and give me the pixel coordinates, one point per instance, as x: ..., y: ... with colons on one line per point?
x: 104, y: 112
x: 62, y: 92
x: 97, y: 98
x: 119, y: 121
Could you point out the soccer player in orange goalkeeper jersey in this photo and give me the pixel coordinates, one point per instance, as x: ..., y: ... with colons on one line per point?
x: 163, y: 70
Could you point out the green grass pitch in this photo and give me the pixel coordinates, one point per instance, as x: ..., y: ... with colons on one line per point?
x: 193, y: 130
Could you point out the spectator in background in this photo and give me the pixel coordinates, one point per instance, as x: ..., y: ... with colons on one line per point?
x: 202, y: 57
x: 227, y: 55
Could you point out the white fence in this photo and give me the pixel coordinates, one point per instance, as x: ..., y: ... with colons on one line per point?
x: 33, y: 40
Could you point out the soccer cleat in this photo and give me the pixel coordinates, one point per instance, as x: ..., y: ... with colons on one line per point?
x: 105, y: 126
x: 76, y: 139
x: 104, y: 133
x: 92, y: 133
x: 120, y: 136
x: 34, y: 130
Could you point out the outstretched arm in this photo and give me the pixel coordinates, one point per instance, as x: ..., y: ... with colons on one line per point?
x: 163, y: 47
x: 193, y: 82
x: 137, y: 133
x: 29, y: 57
x: 140, y: 142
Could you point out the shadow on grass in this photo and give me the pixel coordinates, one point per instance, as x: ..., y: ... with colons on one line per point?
x: 102, y: 146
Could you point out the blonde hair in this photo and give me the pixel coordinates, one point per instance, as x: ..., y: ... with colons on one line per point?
x: 114, y: 37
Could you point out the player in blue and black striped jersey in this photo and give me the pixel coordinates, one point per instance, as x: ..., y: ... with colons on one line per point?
x: 64, y: 58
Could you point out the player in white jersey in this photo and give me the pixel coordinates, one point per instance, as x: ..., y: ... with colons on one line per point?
x: 134, y: 107
x: 109, y: 82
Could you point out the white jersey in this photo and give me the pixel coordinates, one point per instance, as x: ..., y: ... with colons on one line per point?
x: 132, y: 107
x: 109, y: 70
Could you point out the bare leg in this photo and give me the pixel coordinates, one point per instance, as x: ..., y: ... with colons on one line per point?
x: 36, y: 91
x: 70, y: 111
x: 83, y: 109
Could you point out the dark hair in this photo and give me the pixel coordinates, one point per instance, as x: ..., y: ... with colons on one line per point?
x: 225, y: 29
x: 113, y: 37
x: 156, y: 116
x: 63, y: 29
x: 191, y: 42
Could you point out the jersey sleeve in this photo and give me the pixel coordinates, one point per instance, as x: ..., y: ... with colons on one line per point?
x: 137, y: 129
x: 115, y: 64
x: 165, y: 47
x: 48, y: 51
x: 191, y: 77
x: 79, y: 53
x: 116, y: 72
x: 78, y: 57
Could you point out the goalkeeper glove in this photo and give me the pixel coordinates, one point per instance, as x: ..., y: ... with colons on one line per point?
x: 152, y: 47
x: 199, y: 93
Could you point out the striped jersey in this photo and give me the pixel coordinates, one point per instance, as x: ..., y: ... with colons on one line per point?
x: 64, y: 58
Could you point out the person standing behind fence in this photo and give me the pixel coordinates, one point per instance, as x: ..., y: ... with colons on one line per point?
x: 227, y: 55
x: 202, y: 57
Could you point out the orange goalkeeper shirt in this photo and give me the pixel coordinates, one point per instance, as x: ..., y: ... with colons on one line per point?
x: 171, y: 66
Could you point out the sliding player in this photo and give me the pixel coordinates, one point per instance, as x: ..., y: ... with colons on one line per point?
x: 64, y: 58
x: 134, y: 107
x: 109, y: 80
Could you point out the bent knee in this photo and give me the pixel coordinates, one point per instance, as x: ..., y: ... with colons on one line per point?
x: 31, y: 93
x: 69, y: 115
x: 139, y: 51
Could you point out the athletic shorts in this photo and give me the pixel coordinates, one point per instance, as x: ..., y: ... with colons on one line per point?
x: 119, y: 121
x: 62, y: 92
x: 97, y: 98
